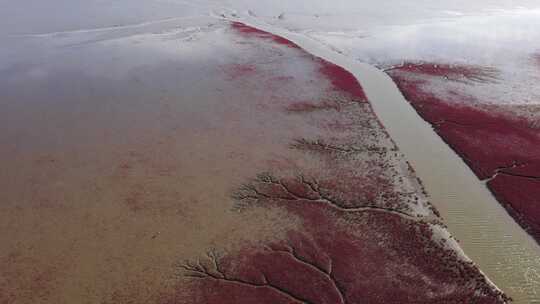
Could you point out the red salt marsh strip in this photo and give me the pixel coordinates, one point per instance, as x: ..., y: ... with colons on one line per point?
x: 393, y: 261
x: 251, y: 31
x: 342, y: 80
x: 488, y: 140
x: 520, y: 194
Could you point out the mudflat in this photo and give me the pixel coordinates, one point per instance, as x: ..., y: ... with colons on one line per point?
x: 216, y: 165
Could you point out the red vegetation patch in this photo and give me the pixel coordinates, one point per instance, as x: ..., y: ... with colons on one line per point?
x: 488, y: 141
x: 342, y: 253
x: 251, y: 31
x: 342, y: 80
x: 521, y: 196
x: 367, y: 257
x: 531, y: 169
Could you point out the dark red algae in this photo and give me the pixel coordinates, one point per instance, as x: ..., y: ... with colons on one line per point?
x: 491, y: 141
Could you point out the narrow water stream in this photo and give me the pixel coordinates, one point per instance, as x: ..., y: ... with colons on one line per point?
x: 487, y: 234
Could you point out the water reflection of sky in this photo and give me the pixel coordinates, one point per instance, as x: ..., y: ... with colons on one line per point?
x: 478, y: 39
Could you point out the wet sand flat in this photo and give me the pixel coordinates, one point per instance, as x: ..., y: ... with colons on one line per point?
x: 206, y: 166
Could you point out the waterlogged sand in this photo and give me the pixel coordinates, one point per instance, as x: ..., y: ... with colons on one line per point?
x: 210, y: 164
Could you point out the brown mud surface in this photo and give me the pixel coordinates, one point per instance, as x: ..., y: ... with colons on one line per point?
x: 501, y: 143
x: 260, y: 175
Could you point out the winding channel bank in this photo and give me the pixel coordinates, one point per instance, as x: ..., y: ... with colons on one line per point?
x: 487, y: 234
